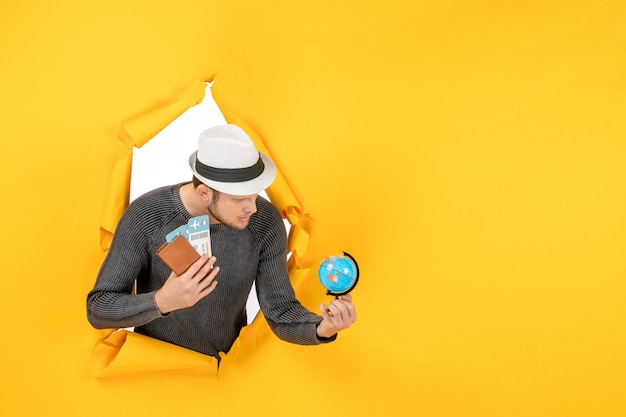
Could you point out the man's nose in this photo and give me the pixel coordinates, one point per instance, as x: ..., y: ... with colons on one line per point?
x: 250, y: 205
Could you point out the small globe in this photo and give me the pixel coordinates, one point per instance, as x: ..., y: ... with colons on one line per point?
x: 338, y: 274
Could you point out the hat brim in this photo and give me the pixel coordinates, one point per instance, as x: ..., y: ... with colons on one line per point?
x: 250, y: 187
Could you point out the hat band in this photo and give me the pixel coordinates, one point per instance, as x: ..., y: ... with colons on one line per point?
x: 230, y: 174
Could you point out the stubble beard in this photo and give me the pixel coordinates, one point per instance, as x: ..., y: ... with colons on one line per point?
x: 212, y: 209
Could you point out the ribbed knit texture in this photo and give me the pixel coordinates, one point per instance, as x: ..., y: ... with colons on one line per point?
x: 212, y: 325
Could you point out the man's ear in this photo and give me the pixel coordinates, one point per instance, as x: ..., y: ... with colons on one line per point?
x: 204, y: 192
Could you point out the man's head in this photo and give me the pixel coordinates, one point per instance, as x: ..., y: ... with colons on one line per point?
x: 228, y: 161
x: 228, y: 173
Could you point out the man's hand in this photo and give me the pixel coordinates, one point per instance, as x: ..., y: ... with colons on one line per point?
x: 339, y: 315
x: 187, y: 289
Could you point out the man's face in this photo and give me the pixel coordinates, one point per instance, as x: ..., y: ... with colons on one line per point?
x: 232, y: 210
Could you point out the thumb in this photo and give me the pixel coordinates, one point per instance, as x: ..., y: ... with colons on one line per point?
x: 324, y: 311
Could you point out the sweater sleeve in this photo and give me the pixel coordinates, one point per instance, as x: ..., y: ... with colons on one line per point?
x: 111, y: 303
x: 286, y: 316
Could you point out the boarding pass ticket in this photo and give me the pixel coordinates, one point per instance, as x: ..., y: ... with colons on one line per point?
x: 197, y: 233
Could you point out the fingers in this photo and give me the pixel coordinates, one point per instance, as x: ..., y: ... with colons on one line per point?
x: 340, y: 312
x: 351, y: 309
x: 206, y: 276
x: 208, y: 282
x: 324, y: 312
x: 343, y: 308
x: 201, y: 275
x: 201, y: 267
x: 208, y: 269
x: 211, y: 284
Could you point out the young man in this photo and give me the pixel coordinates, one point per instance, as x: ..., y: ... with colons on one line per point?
x: 204, y: 308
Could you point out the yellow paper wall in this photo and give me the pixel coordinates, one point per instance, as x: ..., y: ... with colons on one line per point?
x: 469, y: 154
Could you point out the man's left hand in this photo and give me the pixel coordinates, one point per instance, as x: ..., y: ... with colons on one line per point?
x: 339, y: 315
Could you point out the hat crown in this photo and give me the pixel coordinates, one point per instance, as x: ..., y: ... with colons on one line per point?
x: 227, y: 147
x: 228, y: 161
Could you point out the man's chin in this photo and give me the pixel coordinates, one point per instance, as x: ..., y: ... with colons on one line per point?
x: 238, y: 225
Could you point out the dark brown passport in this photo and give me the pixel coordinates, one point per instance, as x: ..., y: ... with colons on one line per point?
x: 178, y: 254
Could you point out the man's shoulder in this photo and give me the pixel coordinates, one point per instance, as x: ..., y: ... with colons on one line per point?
x: 153, y: 199
x: 266, y: 218
x: 266, y: 207
x: 267, y: 225
x: 153, y: 204
x: 164, y: 193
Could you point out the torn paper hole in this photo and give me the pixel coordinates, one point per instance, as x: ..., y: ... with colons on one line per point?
x: 163, y: 159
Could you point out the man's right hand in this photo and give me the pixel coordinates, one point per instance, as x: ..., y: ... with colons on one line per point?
x: 187, y: 289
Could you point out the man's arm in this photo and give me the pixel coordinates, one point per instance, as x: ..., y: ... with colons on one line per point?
x: 111, y: 303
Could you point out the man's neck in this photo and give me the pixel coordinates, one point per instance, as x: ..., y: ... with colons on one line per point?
x: 193, y: 204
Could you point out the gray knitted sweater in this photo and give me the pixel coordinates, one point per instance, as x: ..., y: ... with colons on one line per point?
x: 255, y: 255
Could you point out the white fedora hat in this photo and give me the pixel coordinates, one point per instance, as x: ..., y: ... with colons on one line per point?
x: 228, y: 161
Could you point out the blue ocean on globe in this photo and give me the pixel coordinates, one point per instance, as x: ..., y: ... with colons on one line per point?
x: 338, y: 274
